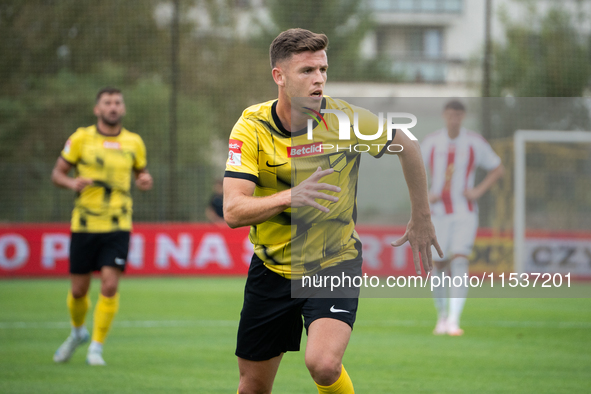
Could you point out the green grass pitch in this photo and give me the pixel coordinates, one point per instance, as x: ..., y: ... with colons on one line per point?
x: 177, y: 335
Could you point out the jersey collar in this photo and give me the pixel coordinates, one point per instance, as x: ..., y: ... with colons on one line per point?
x: 108, y: 135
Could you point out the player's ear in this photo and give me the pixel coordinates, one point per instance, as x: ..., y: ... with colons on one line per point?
x: 96, y: 110
x: 278, y: 76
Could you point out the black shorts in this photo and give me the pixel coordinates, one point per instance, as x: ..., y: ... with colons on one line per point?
x: 271, y: 320
x: 92, y: 251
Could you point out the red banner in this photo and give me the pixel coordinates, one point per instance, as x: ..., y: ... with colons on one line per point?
x: 155, y: 249
x: 204, y: 249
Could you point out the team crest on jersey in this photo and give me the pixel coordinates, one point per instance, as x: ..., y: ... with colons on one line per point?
x: 304, y: 150
x: 68, y: 146
x: 235, y: 153
x: 111, y: 145
x: 338, y: 161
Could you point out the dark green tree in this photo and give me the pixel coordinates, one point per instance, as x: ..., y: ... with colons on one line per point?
x: 42, y: 37
x: 547, y: 55
x: 56, y: 54
x: 345, y: 22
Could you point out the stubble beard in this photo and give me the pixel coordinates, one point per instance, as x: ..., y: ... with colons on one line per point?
x: 110, y: 122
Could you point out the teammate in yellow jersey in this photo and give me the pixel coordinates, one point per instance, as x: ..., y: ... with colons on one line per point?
x: 103, y: 157
x: 298, y: 196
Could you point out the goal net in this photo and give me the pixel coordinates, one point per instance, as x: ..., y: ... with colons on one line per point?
x: 552, y: 202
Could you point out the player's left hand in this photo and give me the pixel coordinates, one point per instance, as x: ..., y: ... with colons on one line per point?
x: 421, y: 236
x: 144, y: 181
x: 472, y: 194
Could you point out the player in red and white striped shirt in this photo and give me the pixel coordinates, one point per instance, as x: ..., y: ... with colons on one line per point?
x: 452, y: 155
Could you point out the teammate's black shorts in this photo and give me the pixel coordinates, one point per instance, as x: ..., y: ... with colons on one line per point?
x: 91, y: 251
x: 271, y: 320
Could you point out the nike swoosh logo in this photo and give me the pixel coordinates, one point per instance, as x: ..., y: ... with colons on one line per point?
x: 334, y: 310
x: 275, y: 165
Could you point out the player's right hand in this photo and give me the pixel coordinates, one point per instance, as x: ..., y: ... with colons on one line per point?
x: 308, y: 191
x: 433, y: 198
x: 421, y: 236
x: 80, y: 183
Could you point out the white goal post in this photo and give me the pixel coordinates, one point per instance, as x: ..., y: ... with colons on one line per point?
x: 520, y: 139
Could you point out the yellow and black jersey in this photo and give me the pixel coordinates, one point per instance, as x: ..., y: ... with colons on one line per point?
x: 105, y: 205
x: 304, y: 240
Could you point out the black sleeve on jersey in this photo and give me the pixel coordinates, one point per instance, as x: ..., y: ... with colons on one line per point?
x: 241, y: 175
x: 64, y: 159
x: 386, y: 146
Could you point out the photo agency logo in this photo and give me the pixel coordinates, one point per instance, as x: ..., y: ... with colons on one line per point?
x: 345, y: 129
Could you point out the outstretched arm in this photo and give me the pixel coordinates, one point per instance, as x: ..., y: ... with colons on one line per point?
x: 420, y: 232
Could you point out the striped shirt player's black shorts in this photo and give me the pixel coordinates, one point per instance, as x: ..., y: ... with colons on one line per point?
x: 91, y: 251
x: 271, y: 320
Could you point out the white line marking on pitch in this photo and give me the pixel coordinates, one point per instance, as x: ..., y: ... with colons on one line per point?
x: 234, y: 323
x: 127, y: 324
x: 467, y: 323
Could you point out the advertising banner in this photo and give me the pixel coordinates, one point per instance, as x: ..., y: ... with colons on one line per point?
x: 204, y: 249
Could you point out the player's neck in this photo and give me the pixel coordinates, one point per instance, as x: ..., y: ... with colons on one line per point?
x: 453, y: 132
x: 108, y: 130
x: 284, y: 112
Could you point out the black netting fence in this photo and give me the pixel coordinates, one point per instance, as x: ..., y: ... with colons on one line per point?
x: 188, y: 68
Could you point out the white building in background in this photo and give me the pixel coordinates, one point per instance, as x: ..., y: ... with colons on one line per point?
x: 428, y: 40
x: 437, y: 46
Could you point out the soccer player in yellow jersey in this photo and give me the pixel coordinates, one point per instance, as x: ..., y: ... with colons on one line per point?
x: 103, y: 156
x: 300, y: 225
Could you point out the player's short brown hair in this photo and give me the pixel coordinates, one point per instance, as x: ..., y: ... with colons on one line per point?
x: 107, y: 90
x: 456, y: 105
x: 294, y: 41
